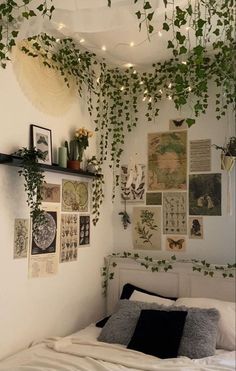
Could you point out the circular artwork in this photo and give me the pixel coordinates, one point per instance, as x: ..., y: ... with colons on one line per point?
x: 46, y: 233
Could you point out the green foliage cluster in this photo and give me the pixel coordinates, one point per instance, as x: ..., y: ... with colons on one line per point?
x: 12, y: 14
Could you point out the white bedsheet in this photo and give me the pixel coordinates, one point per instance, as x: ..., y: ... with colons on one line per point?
x: 82, y: 352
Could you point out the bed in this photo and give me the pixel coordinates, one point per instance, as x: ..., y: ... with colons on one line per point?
x: 139, y: 288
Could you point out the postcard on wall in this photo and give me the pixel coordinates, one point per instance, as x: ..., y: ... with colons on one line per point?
x: 133, y: 183
x: 84, y: 230
x: 174, y: 213
x: 147, y: 228
x: 200, y: 155
x: 153, y: 198
x: 51, y: 192
x: 167, y: 161
x: 21, y: 238
x: 205, y: 194
x: 69, y: 238
x: 178, y: 124
x: 176, y: 243
x: 74, y: 195
x: 195, y: 227
x: 44, y: 251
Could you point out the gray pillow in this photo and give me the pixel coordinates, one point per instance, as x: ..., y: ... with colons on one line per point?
x: 199, y: 335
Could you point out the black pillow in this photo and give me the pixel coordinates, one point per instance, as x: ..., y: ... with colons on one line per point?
x: 158, y: 333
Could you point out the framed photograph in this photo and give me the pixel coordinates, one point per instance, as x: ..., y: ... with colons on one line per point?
x: 41, y: 138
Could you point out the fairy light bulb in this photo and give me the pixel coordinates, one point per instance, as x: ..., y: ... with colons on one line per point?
x: 122, y: 88
x: 57, y: 40
x: 160, y: 91
x: 170, y: 85
x: 103, y: 48
x: 145, y: 91
x: 159, y: 33
x: 189, y: 88
x: 131, y: 44
x: 169, y: 97
x: 82, y: 41
x: 144, y: 98
x: 184, y: 62
x: 134, y: 72
x: 141, y: 82
x: 150, y: 99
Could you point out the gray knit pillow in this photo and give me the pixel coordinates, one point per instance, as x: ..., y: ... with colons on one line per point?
x: 199, y: 335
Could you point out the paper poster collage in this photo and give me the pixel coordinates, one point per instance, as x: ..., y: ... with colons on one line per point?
x: 177, y: 189
x: 67, y: 228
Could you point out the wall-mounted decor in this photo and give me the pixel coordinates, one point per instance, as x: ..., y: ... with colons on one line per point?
x: 69, y: 237
x: 51, y: 192
x: 153, y: 198
x: 205, y: 194
x: 41, y: 139
x: 174, y: 213
x: 178, y: 124
x: 74, y: 195
x: 21, y: 238
x: 167, y: 161
x: 175, y: 243
x: 84, y: 230
x: 133, y: 183
x: 147, y: 228
x: 200, y: 155
x: 195, y: 227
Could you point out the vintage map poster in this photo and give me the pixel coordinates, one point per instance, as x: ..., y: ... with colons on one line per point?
x: 69, y: 237
x: 133, y: 183
x: 147, y: 228
x: 200, y: 155
x: 178, y: 124
x: 153, y: 198
x: 176, y: 243
x: 167, y: 161
x: 74, y: 195
x: 84, y: 230
x: 174, y: 213
x: 205, y: 194
x: 195, y: 227
x: 51, y: 192
x: 21, y: 238
x: 44, y: 252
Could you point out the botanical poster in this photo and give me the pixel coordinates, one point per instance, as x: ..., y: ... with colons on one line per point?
x: 21, y: 238
x: 195, y: 227
x: 51, y: 192
x: 74, y: 195
x: 153, y: 198
x: 133, y: 183
x: 178, y: 124
x: 69, y: 237
x: 205, y: 194
x: 167, y: 161
x: 200, y: 155
x: 174, y: 213
x: 175, y: 243
x: 84, y: 230
x: 147, y: 228
x: 43, y: 260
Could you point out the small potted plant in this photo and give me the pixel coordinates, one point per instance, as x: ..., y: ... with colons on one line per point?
x: 76, y: 147
x: 228, y: 154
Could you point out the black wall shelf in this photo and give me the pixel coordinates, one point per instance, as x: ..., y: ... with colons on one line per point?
x: 12, y: 160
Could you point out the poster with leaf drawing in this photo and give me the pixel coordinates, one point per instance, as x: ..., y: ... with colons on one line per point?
x: 69, y: 237
x: 74, y: 195
x: 167, y: 161
x: 21, y: 238
x: 147, y: 228
x: 174, y: 213
x: 133, y: 183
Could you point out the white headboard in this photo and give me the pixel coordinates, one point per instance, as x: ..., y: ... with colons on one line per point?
x: 181, y: 281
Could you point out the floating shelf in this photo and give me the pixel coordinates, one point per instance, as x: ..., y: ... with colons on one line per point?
x: 12, y: 160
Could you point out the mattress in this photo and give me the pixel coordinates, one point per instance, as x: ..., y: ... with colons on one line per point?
x: 82, y: 352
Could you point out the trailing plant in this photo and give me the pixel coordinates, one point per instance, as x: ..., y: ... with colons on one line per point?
x: 155, y: 265
x: 229, y: 149
x: 34, y: 178
x: 12, y: 14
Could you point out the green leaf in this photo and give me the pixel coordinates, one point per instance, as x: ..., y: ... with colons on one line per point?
x: 138, y: 14
x: 190, y: 122
x: 147, y: 5
x: 165, y: 26
x: 170, y: 44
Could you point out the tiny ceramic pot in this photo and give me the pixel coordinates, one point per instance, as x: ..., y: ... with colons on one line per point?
x: 73, y: 164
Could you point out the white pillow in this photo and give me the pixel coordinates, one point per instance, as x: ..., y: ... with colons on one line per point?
x: 140, y: 296
x: 226, y: 330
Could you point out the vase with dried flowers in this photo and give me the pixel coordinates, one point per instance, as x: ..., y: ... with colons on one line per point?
x: 76, y: 147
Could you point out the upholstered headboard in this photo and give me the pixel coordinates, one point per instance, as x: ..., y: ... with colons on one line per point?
x: 181, y: 281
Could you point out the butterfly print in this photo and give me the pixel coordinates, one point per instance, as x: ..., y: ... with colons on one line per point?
x: 175, y: 244
x: 178, y: 122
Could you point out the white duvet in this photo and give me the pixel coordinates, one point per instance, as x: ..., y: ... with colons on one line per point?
x: 82, y: 352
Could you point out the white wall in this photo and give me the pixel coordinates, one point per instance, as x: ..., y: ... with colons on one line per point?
x: 218, y: 245
x: 34, y: 308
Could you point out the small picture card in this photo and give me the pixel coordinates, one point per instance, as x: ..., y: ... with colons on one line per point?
x: 178, y: 124
x: 175, y: 243
x: 84, y: 230
x: 195, y: 227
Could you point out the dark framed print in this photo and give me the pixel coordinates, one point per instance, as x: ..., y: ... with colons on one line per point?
x: 41, y: 139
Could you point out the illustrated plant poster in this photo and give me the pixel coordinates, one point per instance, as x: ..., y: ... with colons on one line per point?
x: 147, y: 228
x: 21, y: 238
x: 84, y: 230
x: 69, y: 237
x: 133, y: 183
x: 167, y: 161
x: 175, y: 243
x: 174, y: 213
x: 205, y: 194
x: 196, y: 227
x: 74, y: 195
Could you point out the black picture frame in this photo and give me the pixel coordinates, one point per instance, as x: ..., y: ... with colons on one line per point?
x: 41, y: 139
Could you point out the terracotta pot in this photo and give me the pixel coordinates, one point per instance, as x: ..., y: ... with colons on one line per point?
x: 73, y: 164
